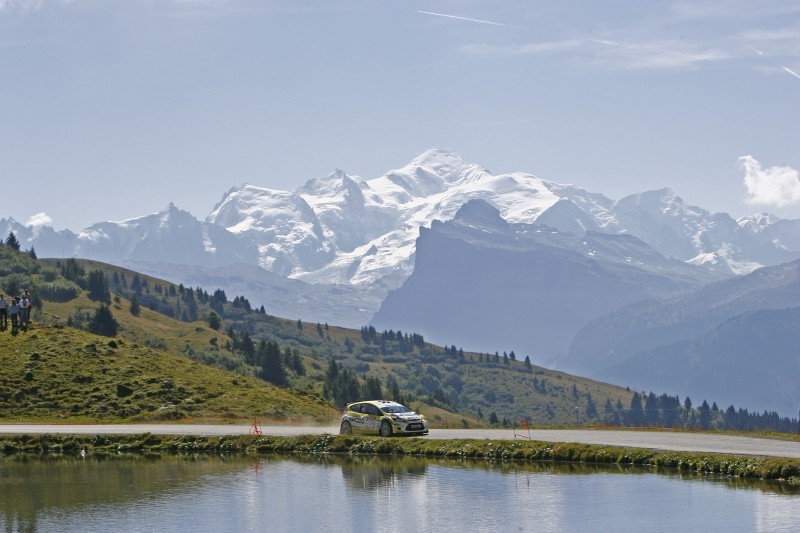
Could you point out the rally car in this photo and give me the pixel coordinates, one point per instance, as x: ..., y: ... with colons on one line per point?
x: 385, y: 417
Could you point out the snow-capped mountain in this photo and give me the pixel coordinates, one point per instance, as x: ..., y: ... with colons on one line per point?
x: 344, y: 230
x: 172, y: 236
x: 367, y: 229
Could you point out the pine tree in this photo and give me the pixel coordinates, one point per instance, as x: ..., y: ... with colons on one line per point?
x: 704, y: 416
x: 12, y: 241
x: 610, y: 416
x: 591, y: 408
x: 97, y: 285
x: 103, y: 322
x: 214, y: 321
x: 651, y: 414
x: 134, y: 305
x: 269, y: 358
x: 636, y: 414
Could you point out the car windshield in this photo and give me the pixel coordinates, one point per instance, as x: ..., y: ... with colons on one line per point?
x: 395, y: 409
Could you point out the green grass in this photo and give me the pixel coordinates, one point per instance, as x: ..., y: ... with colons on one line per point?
x: 52, y: 373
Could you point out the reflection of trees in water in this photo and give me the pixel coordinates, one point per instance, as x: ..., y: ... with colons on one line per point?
x: 369, y: 473
x: 372, y: 472
x: 30, y: 486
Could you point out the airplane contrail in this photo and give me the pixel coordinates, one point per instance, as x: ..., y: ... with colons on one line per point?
x: 607, y: 43
x: 470, y: 20
x: 790, y: 71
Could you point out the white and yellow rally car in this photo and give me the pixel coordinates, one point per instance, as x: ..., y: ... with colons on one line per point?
x: 387, y: 418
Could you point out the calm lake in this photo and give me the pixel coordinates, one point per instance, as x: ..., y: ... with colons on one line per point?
x: 341, y: 494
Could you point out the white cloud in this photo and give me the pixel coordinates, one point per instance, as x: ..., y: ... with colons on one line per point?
x: 732, y: 9
x: 775, y: 186
x: 39, y: 220
x: 606, y: 54
x: 21, y: 5
x: 665, y: 54
x: 36, y: 5
x: 522, y: 49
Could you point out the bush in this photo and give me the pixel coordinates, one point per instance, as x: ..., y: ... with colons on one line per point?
x: 49, y: 274
x: 59, y: 291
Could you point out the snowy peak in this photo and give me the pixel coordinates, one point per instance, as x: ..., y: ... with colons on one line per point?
x: 282, y: 224
x: 756, y: 223
x: 661, y: 200
x: 432, y: 172
x: 171, y: 236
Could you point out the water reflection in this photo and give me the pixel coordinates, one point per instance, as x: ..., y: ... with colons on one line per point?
x: 305, y: 493
x: 30, y: 487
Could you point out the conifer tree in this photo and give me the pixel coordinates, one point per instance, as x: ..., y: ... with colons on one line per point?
x: 214, y: 321
x: 636, y: 414
x: 97, y: 285
x: 135, y: 305
x: 12, y: 241
x: 103, y: 322
x: 269, y: 358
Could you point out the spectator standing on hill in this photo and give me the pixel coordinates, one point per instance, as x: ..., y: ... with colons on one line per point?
x: 3, y: 312
x: 24, y: 309
x: 13, y: 310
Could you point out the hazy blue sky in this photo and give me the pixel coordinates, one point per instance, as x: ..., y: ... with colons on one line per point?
x: 111, y: 109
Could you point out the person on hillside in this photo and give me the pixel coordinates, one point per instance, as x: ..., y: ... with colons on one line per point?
x: 13, y: 310
x: 3, y: 312
x: 24, y: 310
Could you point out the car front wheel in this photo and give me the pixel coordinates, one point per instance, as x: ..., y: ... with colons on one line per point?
x: 346, y: 428
x: 386, y: 429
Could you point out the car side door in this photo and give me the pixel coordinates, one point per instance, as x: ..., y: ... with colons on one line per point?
x: 356, y: 417
x: 372, y: 420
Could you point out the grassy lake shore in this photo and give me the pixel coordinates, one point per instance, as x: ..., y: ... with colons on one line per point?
x: 753, y: 467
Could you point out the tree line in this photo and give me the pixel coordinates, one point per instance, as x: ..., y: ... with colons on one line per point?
x: 649, y: 410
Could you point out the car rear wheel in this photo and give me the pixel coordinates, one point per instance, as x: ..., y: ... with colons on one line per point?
x: 346, y: 428
x: 386, y: 429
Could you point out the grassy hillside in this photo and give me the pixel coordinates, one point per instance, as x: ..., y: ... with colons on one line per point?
x: 177, y: 352
x: 452, y: 387
x: 51, y: 372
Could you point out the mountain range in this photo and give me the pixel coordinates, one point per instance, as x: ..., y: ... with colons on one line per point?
x: 528, y: 264
x: 344, y: 230
x: 480, y: 279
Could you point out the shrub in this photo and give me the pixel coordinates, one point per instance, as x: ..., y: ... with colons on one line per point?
x: 59, y: 291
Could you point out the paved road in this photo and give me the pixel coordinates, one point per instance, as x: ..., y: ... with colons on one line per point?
x: 659, y: 440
